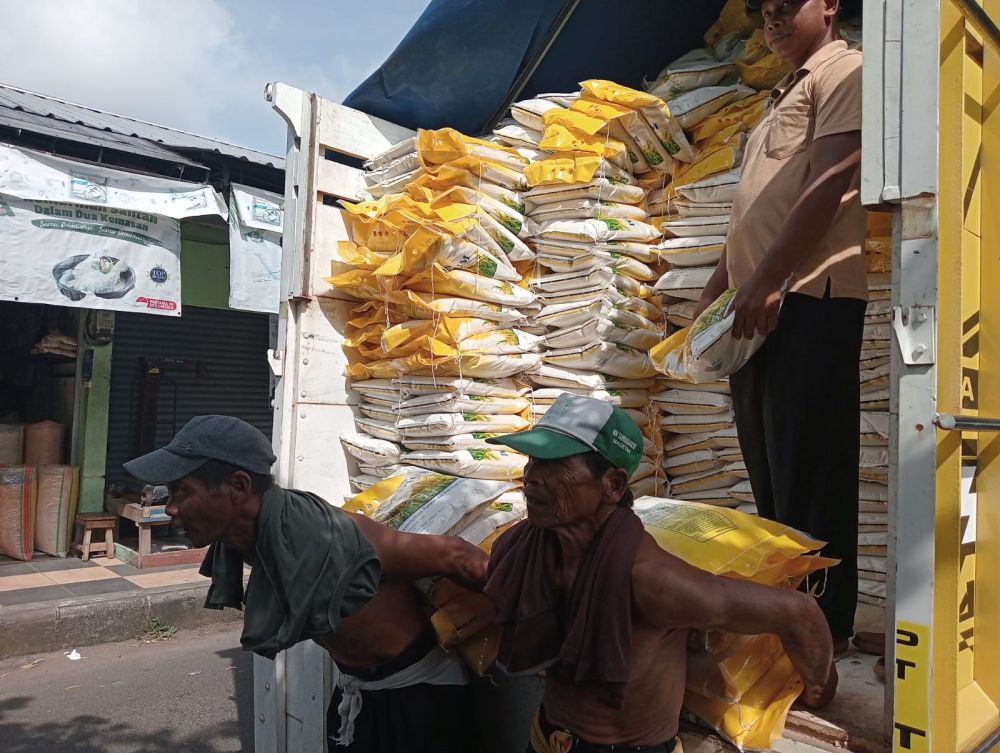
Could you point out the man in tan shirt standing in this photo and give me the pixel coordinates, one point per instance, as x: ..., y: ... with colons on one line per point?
x: 797, y: 218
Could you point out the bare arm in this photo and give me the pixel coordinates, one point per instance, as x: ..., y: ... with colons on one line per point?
x: 718, y: 283
x: 411, y: 556
x: 832, y: 162
x: 669, y: 593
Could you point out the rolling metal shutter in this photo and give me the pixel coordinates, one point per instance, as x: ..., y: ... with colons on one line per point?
x: 216, y: 363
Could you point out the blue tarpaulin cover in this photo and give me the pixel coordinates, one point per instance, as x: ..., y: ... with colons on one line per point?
x: 457, y: 65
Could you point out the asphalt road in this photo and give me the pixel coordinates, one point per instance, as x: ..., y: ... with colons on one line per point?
x: 192, y: 693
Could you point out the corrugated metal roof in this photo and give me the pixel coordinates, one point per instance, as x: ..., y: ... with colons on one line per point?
x: 12, y: 98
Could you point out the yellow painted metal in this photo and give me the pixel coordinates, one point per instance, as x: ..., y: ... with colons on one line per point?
x: 965, y: 683
x: 987, y: 671
x: 947, y: 541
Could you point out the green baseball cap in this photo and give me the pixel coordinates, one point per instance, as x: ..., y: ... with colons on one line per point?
x: 575, y: 424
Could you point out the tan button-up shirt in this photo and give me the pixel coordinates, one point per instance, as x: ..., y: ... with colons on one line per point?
x: 821, y: 98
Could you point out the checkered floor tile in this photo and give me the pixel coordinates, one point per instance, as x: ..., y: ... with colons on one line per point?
x: 52, y: 578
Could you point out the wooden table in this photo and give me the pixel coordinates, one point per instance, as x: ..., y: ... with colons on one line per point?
x: 145, y: 519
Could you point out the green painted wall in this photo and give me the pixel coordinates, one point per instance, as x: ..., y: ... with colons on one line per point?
x: 204, y: 282
x: 204, y: 266
x: 94, y: 430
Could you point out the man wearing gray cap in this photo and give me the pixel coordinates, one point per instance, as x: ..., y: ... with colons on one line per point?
x: 323, y: 574
x: 584, y: 593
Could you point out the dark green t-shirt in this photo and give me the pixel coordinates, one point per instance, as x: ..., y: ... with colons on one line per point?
x: 312, y: 568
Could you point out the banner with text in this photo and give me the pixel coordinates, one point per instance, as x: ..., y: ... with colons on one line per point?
x: 89, y: 257
x: 33, y: 176
x: 255, y: 224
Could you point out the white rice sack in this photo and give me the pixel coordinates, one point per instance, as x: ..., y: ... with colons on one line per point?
x: 501, y: 342
x: 563, y: 99
x: 450, y: 443
x: 385, y: 430
x: 720, y: 187
x: 647, y: 487
x: 361, y: 482
x: 641, y: 418
x: 376, y: 388
x: 873, y: 457
x: 718, y: 497
x: 692, y: 227
x: 696, y: 209
x: 870, y: 491
x: 742, y: 492
x: 493, y: 463
x: 505, y: 509
x: 577, y: 295
x: 641, y: 251
x: 730, y: 454
x: 623, y: 398
x: 530, y: 111
x: 393, y: 153
x: 441, y: 424
x: 584, y: 279
x: 876, y: 399
x: 565, y: 315
x: 458, y: 500
x: 383, y: 471
x: 696, y: 461
x: 688, y: 402
x: 681, y: 313
x: 587, y: 209
x: 874, y: 428
x: 384, y: 400
x: 645, y: 469
x: 551, y: 375
x: 678, y: 444
x: 449, y: 403
x: 411, y: 385
x: 369, y: 450
x: 618, y: 263
x: 600, y: 189
x: 404, y: 165
x: 721, y: 387
x: 610, y: 330
x: 707, y: 350
x: 725, y: 437
x: 697, y: 69
x: 604, y: 357
x: 516, y: 135
x: 697, y: 251
x: 382, y: 413
x: 738, y: 469
x: 697, y: 423
x: 685, y: 282
x: 716, y: 478
x: 599, y: 231
x: 692, y: 107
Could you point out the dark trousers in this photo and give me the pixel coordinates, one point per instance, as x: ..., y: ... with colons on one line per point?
x: 797, y: 404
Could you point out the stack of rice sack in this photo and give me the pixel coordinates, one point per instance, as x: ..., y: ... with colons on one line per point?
x: 705, y: 96
x: 436, y: 341
x: 596, y: 255
x: 873, y: 521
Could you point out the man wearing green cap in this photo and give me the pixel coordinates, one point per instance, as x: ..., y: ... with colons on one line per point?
x: 585, y: 594
x: 320, y: 573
